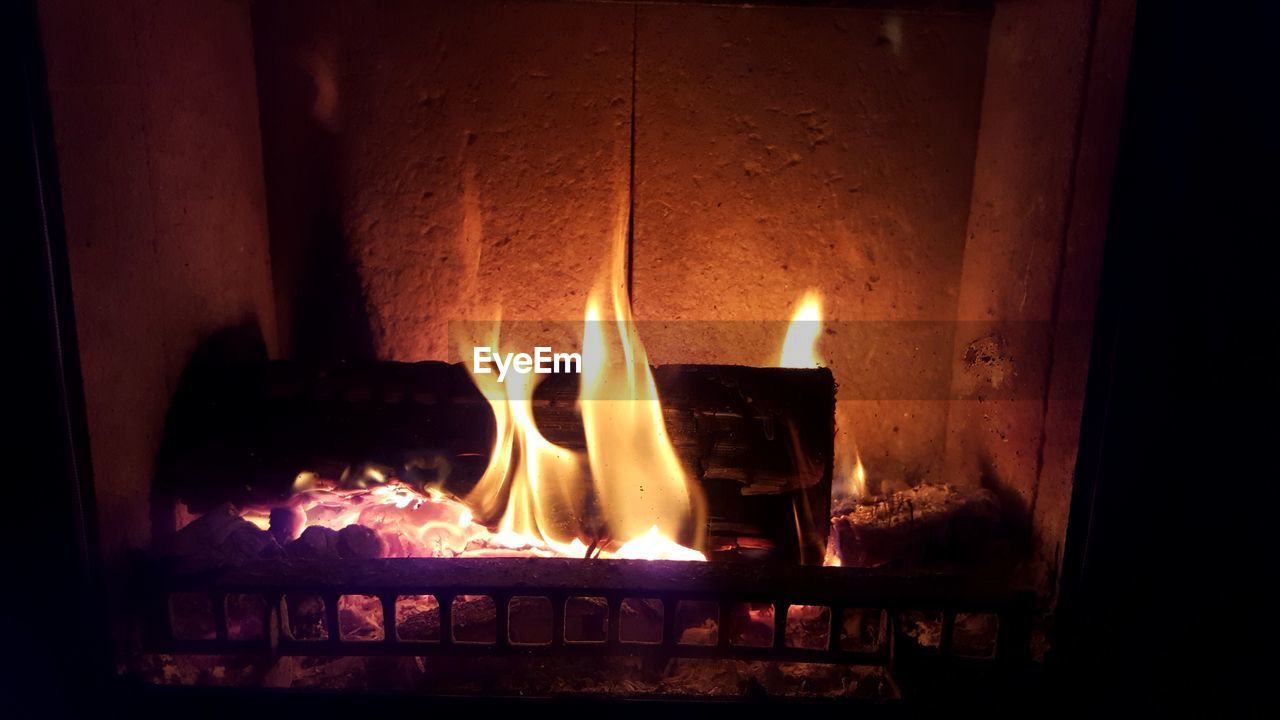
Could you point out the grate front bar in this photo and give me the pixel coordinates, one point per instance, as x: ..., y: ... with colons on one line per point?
x: 558, y: 580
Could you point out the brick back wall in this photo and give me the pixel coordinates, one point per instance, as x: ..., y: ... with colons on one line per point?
x: 437, y: 161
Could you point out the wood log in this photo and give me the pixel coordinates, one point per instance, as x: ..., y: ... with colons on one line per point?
x: 759, y: 440
x: 921, y: 524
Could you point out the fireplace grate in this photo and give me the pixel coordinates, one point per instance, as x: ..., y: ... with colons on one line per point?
x: 894, y: 618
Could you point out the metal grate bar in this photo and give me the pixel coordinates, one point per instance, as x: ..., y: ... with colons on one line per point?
x: 559, y: 580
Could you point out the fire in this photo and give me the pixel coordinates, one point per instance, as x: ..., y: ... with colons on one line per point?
x: 642, y: 487
x: 800, y: 348
x: 629, y: 497
x: 532, y: 487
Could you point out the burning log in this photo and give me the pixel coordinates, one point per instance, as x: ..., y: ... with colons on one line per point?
x: 758, y: 440
x: 910, y: 526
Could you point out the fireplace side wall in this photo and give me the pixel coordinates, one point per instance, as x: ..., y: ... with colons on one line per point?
x: 156, y: 130
x: 1055, y: 83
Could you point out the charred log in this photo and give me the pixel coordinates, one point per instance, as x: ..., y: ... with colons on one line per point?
x: 914, y: 526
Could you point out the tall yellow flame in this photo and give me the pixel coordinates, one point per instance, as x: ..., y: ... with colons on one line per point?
x: 642, y: 487
x: 540, y: 493
x: 534, y: 486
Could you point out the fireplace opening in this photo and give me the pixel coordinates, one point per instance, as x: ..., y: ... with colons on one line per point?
x: 603, y: 349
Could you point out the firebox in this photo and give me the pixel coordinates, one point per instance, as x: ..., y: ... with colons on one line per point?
x: 584, y: 349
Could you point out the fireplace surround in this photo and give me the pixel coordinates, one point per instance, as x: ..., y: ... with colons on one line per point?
x: 340, y: 183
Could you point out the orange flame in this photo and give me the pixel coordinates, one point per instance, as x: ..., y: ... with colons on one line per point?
x: 642, y: 487
x: 543, y: 492
x: 534, y: 486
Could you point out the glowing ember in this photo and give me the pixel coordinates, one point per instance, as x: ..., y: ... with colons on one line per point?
x: 411, y: 523
x: 653, y: 545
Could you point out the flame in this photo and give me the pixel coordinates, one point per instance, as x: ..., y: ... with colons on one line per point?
x: 535, y: 487
x: 800, y: 348
x: 851, y: 476
x: 630, y: 491
x: 626, y: 497
x: 642, y: 487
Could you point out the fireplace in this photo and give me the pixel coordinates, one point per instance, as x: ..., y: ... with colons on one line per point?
x: 806, y: 293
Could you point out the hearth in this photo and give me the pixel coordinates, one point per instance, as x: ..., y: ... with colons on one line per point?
x: 805, y: 290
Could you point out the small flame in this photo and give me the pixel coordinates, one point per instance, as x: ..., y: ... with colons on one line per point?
x: 851, y: 476
x: 849, y: 484
x: 800, y: 348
